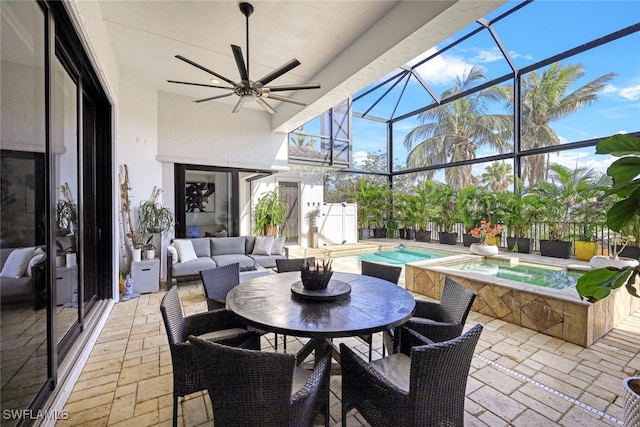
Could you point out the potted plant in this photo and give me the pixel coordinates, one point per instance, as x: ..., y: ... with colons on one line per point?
x: 422, y: 207
x: 522, y: 210
x: 66, y: 218
x: 312, y: 219
x: 445, y: 213
x: 153, y: 218
x: 559, y: 197
x: 589, y: 212
x: 470, y: 211
x: 372, y: 200
x: 599, y: 283
x: 483, y: 233
x: 270, y: 212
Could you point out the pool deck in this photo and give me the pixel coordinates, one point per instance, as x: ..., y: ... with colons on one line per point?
x: 559, y: 313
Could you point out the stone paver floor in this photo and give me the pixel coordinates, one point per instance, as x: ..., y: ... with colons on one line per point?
x: 518, y: 377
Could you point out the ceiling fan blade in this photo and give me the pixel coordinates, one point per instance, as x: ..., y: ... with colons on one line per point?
x: 238, y: 104
x: 188, y: 61
x: 283, y: 98
x: 278, y: 72
x: 264, y: 105
x: 242, y: 68
x: 214, y: 97
x: 200, y: 84
x: 294, y: 87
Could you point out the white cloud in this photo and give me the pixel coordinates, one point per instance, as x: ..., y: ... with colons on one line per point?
x: 359, y: 157
x: 631, y: 93
x: 582, y: 158
x: 442, y: 69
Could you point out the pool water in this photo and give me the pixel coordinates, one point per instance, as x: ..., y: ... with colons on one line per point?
x: 523, y: 273
x: 399, y: 256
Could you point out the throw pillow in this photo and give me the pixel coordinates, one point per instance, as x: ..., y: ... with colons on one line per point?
x: 185, y: 250
x: 38, y: 256
x: 263, y: 245
x: 16, y: 264
x: 174, y: 253
x: 278, y: 246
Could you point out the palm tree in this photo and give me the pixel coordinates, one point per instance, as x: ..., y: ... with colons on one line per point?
x: 546, y: 99
x: 497, y: 176
x: 454, y: 131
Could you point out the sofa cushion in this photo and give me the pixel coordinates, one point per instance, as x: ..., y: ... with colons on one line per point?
x: 278, y: 246
x: 243, y: 260
x: 39, y: 255
x: 16, y: 264
x: 185, y: 250
x: 192, y: 267
x: 202, y: 246
x: 263, y: 245
x: 250, y: 241
x: 227, y: 246
x: 15, y: 287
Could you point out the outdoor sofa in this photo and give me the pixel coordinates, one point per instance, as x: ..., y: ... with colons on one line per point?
x: 187, y: 257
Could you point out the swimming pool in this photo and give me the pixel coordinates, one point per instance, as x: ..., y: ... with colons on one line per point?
x: 523, y: 273
x: 399, y: 256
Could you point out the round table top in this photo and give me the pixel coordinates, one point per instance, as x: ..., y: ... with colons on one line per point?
x: 372, y: 306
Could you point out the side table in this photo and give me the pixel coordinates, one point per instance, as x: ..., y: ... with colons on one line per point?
x: 66, y: 281
x: 146, y: 275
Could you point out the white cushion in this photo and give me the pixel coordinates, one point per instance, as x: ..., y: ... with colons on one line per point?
x: 174, y: 253
x: 263, y: 245
x: 39, y: 255
x: 185, y: 250
x: 16, y: 264
x: 278, y: 246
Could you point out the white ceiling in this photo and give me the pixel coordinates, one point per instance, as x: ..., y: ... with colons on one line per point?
x: 343, y: 45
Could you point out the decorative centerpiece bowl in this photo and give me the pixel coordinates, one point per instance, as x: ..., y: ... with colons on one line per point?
x: 315, y: 277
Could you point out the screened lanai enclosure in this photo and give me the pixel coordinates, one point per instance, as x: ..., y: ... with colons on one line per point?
x: 515, y: 101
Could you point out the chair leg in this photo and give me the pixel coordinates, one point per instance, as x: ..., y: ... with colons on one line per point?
x: 175, y: 411
x: 284, y: 340
x: 276, y: 335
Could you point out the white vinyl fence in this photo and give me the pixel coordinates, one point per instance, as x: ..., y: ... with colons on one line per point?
x: 338, y: 224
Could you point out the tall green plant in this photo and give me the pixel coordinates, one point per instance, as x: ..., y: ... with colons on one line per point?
x: 522, y: 210
x: 599, y: 283
x: 446, y: 212
x: 423, y: 204
x: 270, y: 212
x: 470, y: 207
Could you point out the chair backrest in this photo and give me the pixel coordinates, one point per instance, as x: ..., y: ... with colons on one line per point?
x: 246, y: 387
x: 390, y: 273
x: 217, y: 282
x: 438, y: 380
x: 456, y: 301
x: 173, y: 317
x: 285, y: 265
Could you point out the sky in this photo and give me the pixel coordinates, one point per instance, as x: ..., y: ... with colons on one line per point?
x: 535, y: 32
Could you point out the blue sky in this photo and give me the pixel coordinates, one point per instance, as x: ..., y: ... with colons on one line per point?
x: 537, y: 31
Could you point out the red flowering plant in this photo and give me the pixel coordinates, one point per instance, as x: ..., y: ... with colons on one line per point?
x: 485, y: 231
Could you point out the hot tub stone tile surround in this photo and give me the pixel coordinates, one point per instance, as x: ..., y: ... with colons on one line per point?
x: 558, y: 313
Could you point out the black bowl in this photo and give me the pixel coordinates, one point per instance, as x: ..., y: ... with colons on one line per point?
x: 315, y: 281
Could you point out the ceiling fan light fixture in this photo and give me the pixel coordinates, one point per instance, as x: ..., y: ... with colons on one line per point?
x: 246, y: 89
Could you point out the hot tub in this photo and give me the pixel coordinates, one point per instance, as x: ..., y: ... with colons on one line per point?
x: 553, y: 311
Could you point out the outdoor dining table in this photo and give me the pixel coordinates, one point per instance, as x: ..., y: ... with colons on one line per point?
x: 373, y: 305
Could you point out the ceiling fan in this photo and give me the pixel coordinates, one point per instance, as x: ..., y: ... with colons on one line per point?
x: 246, y: 89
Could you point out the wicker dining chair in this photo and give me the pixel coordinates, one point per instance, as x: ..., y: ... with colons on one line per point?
x: 286, y: 265
x: 254, y: 388
x: 422, y: 385
x: 444, y: 320
x: 390, y: 273
x: 219, y: 325
x: 217, y: 282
